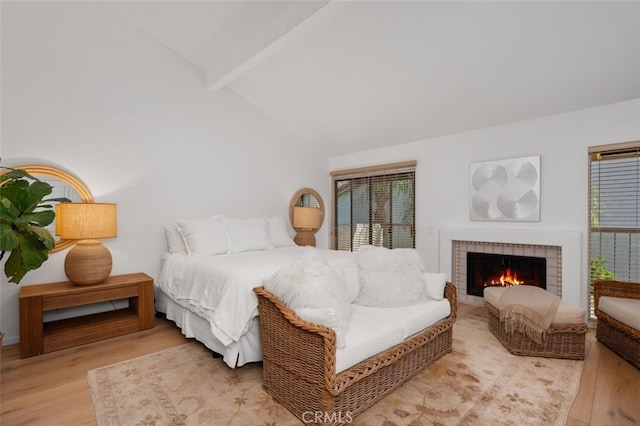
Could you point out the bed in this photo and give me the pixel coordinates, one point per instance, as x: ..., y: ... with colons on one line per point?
x: 209, y: 271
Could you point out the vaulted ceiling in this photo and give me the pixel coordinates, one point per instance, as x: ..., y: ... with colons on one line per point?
x: 366, y: 74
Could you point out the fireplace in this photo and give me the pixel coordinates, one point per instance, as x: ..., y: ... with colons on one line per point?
x: 561, y: 249
x: 504, y: 270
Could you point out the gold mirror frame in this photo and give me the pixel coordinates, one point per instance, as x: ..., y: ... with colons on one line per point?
x: 296, y: 198
x: 73, y: 182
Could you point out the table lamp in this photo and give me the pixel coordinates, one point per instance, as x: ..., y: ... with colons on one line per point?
x: 306, y: 221
x: 88, y: 262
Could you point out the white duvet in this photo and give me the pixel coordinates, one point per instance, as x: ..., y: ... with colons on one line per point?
x: 219, y: 288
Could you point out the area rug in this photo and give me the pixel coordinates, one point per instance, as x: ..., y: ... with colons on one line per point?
x: 480, y: 383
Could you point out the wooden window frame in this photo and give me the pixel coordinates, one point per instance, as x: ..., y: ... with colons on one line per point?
x: 613, y: 246
x: 372, y: 173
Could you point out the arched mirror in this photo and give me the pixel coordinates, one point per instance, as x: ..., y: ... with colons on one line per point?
x: 306, y: 212
x: 64, y: 185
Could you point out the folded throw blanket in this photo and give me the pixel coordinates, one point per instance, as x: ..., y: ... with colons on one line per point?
x: 528, y: 309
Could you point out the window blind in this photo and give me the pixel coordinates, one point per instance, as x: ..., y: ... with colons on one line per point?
x: 374, y: 205
x: 614, y: 213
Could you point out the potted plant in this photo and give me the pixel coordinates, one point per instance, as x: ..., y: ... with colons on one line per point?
x: 24, y: 215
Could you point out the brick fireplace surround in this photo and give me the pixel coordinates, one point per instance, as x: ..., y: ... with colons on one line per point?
x: 562, y: 249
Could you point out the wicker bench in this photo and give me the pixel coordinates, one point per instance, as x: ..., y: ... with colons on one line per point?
x: 563, y: 340
x: 618, y: 334
x: 299, y: 360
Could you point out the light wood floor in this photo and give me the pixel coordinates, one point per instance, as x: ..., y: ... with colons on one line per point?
x: 51, y: 389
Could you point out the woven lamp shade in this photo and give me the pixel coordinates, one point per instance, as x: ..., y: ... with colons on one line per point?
x: 306, y: 221
x: 306, y: 218
x: 81, y: 221
x: 88, y: 262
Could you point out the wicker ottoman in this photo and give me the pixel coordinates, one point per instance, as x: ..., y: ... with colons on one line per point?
x: 564, y: 339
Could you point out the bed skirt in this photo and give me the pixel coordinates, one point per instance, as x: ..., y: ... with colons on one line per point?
x: 247, y: 349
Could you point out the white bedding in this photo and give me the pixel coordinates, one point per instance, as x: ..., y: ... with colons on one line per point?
x: 219, y: 288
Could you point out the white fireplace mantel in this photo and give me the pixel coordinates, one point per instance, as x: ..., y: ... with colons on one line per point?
x: 570, y: 242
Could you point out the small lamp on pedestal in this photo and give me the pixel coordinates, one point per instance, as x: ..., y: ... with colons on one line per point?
x: 306, y: 221
x: 88, y: 262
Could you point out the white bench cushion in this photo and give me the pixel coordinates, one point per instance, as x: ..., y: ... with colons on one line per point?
x: 366, y: 336
x: 566, y: 313
x: 625, y: 310
x: 375, y: 329
x: 412, y: 318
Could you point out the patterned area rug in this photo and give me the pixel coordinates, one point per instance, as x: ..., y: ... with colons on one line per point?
x: 480, y: 383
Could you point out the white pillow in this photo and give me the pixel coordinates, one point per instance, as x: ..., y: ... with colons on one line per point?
x: 324, y: 316
x: 436, y: 282
x: 279, y: 233
x: 390, y: 277
x: 204, y: 237
x: 351, y: 281
x: 175, y: 243
x: 247, y: 234
x: 310, y: 282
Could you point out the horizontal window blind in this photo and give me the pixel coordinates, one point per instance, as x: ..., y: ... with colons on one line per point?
x: 374, y: 205
x: 614, y: 220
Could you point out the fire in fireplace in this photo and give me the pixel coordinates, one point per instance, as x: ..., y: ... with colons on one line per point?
x: 488, y: 270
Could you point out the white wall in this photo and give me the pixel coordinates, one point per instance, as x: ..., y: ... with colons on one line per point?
x: 442, y: 175
x: 84, y: 89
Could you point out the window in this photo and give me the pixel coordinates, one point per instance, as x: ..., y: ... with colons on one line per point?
x: 373, y: 205
x: 614, y: 219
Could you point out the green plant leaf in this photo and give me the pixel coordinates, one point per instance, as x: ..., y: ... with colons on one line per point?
x: 29, y: 255
x: 57, y: 200
x: 44, y: 236
x: 17, y: 194
x: 35, y: 252
x: 24, y: 214
x: 41, y: 218
x: 35, y: 193
x: 7, y: 208
x: 16, y: 174
x: 13, y: 268
x: 8, y: 237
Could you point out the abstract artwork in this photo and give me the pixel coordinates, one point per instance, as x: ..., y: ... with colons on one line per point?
x: 505, y: 190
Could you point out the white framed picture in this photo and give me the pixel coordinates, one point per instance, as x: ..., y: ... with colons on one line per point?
x: 505, y: 190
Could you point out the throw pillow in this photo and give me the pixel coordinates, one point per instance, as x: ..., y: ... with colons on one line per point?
x: 279, y: 233
x: 324, y: 316
x: 247, y: 234
x: 175, y: 243
x: 436, y: 282
x: 310, y: 282
x: 351, y: 281
x: 390, y: 277
x: 204, y: 237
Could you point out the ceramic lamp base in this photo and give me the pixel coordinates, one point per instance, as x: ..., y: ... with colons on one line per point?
x: 305, y: 238
x: 88, y: 262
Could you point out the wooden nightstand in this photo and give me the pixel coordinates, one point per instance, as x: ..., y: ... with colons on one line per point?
x: 37, y: 337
